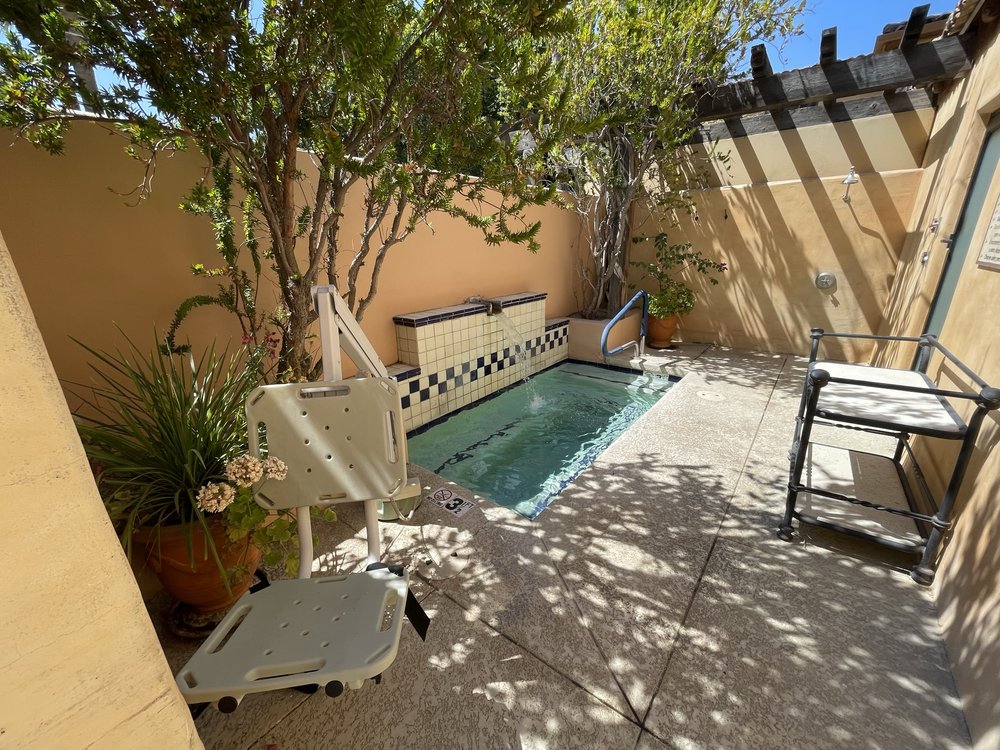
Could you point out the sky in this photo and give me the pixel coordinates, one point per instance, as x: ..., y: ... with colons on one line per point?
x: 858, y: 22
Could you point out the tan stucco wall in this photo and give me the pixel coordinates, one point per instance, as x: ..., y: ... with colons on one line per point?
x: 89, y: 261
x: 448, y: 262
x: 81, y: 665
x: 786, y: 221
x: 884, y: 143
x: 968, y: 583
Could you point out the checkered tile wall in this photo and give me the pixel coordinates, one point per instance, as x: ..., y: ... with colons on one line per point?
x: 452, y: 357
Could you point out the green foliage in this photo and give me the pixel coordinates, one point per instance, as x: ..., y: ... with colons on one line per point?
x: 420, y: 105
x: 276, y: 535
x: 157, y: 428
x: 160, y: 428
x: 633, y: 69
x: 237, y: 289
x: 673, y: 296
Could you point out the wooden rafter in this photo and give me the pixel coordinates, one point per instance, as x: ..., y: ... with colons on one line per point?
x: 938, y: 60
x: 760, y: 66
x: 826, y: 113
x: 828, y: 46
x: 914, y: 27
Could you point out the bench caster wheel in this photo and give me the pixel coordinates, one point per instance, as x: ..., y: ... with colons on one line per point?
x: 923, y: 576
x: 335, y: 688
x: 228, y: 704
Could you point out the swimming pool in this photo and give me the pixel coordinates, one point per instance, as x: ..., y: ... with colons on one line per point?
x: 521, y: 447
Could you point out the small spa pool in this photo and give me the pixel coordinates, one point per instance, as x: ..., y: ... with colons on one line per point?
x: 521, y: 447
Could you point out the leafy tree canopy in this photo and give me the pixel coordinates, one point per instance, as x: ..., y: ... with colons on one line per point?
x: 634, y: 70
x: 413, y: 103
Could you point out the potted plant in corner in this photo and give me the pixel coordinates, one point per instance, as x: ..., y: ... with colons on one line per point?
x: 166, y: 435
x: 673, y: 297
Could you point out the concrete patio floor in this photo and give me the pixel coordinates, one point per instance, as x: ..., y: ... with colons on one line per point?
x: 650, y: 606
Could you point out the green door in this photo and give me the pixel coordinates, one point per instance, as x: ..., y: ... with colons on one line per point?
x: 962, y: 238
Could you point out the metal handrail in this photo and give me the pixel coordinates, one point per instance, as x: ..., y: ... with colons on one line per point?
x: 926, y: 341
x: 640, y: 346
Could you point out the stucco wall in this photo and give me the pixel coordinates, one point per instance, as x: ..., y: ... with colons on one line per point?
x: 81, y: 665
x: 968, y: 584
x: 88, y: 261
x: 777, y: 217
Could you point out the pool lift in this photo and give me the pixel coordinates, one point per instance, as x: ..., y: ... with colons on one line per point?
x: 342, y: 441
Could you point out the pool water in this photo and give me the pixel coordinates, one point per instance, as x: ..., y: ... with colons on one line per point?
x: 523, y: 446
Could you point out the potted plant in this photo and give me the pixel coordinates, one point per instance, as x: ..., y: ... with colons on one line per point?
x: 166, y: 435
x: 673, y: 297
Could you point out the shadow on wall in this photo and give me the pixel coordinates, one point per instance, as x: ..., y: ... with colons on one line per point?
x: 777, y: 236
x: 969, y: 587
x: 913, y: 290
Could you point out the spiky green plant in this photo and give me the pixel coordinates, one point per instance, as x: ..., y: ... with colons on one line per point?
x: 158, y: 427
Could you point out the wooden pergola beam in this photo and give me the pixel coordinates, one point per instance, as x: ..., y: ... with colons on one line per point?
x: 828, y: 46
x: 914, y: 27
x: 940, y: 60
x: 760, y: 66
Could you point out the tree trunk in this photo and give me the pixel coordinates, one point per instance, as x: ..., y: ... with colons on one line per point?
x: 613, y: 226
x: 293, y: 343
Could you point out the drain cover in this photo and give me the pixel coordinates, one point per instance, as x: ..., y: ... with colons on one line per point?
x: 437, y: 565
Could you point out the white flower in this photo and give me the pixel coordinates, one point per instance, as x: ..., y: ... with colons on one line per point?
x: 215, y: 497
x: 244, y: 471
x: 275, y: 468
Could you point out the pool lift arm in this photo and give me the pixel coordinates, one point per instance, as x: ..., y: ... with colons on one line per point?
x: 339, y: 329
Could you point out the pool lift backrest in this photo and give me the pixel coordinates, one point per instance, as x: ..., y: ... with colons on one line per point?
x: 355, y: 472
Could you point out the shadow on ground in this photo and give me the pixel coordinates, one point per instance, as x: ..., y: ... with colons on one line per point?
x: 650, y: 606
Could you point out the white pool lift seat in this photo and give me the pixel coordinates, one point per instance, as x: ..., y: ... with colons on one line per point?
x: 342, y: 441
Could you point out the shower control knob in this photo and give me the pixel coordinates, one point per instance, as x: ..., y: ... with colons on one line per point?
x: 826, y: 280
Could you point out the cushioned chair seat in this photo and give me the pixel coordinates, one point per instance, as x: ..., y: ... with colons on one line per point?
x: 921, y: 413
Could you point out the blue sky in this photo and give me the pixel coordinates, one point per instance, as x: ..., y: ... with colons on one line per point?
x: 858, y: 22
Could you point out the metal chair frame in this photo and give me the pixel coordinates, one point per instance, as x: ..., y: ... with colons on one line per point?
x: 932, y: 526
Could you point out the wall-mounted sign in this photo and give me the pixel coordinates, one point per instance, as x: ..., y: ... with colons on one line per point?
x: 989, y: 255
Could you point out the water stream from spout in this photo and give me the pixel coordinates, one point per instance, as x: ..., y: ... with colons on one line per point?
x: 516, y: 339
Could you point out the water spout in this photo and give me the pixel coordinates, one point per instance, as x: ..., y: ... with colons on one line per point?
x: 493, y: 306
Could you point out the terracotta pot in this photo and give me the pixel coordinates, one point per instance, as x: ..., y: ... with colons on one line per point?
x: 198, y: 582
x: 660, y: 331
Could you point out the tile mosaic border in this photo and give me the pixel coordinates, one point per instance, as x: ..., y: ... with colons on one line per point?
x: 451, y: 357
x: 438, y: 420
x: 439, y: 383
